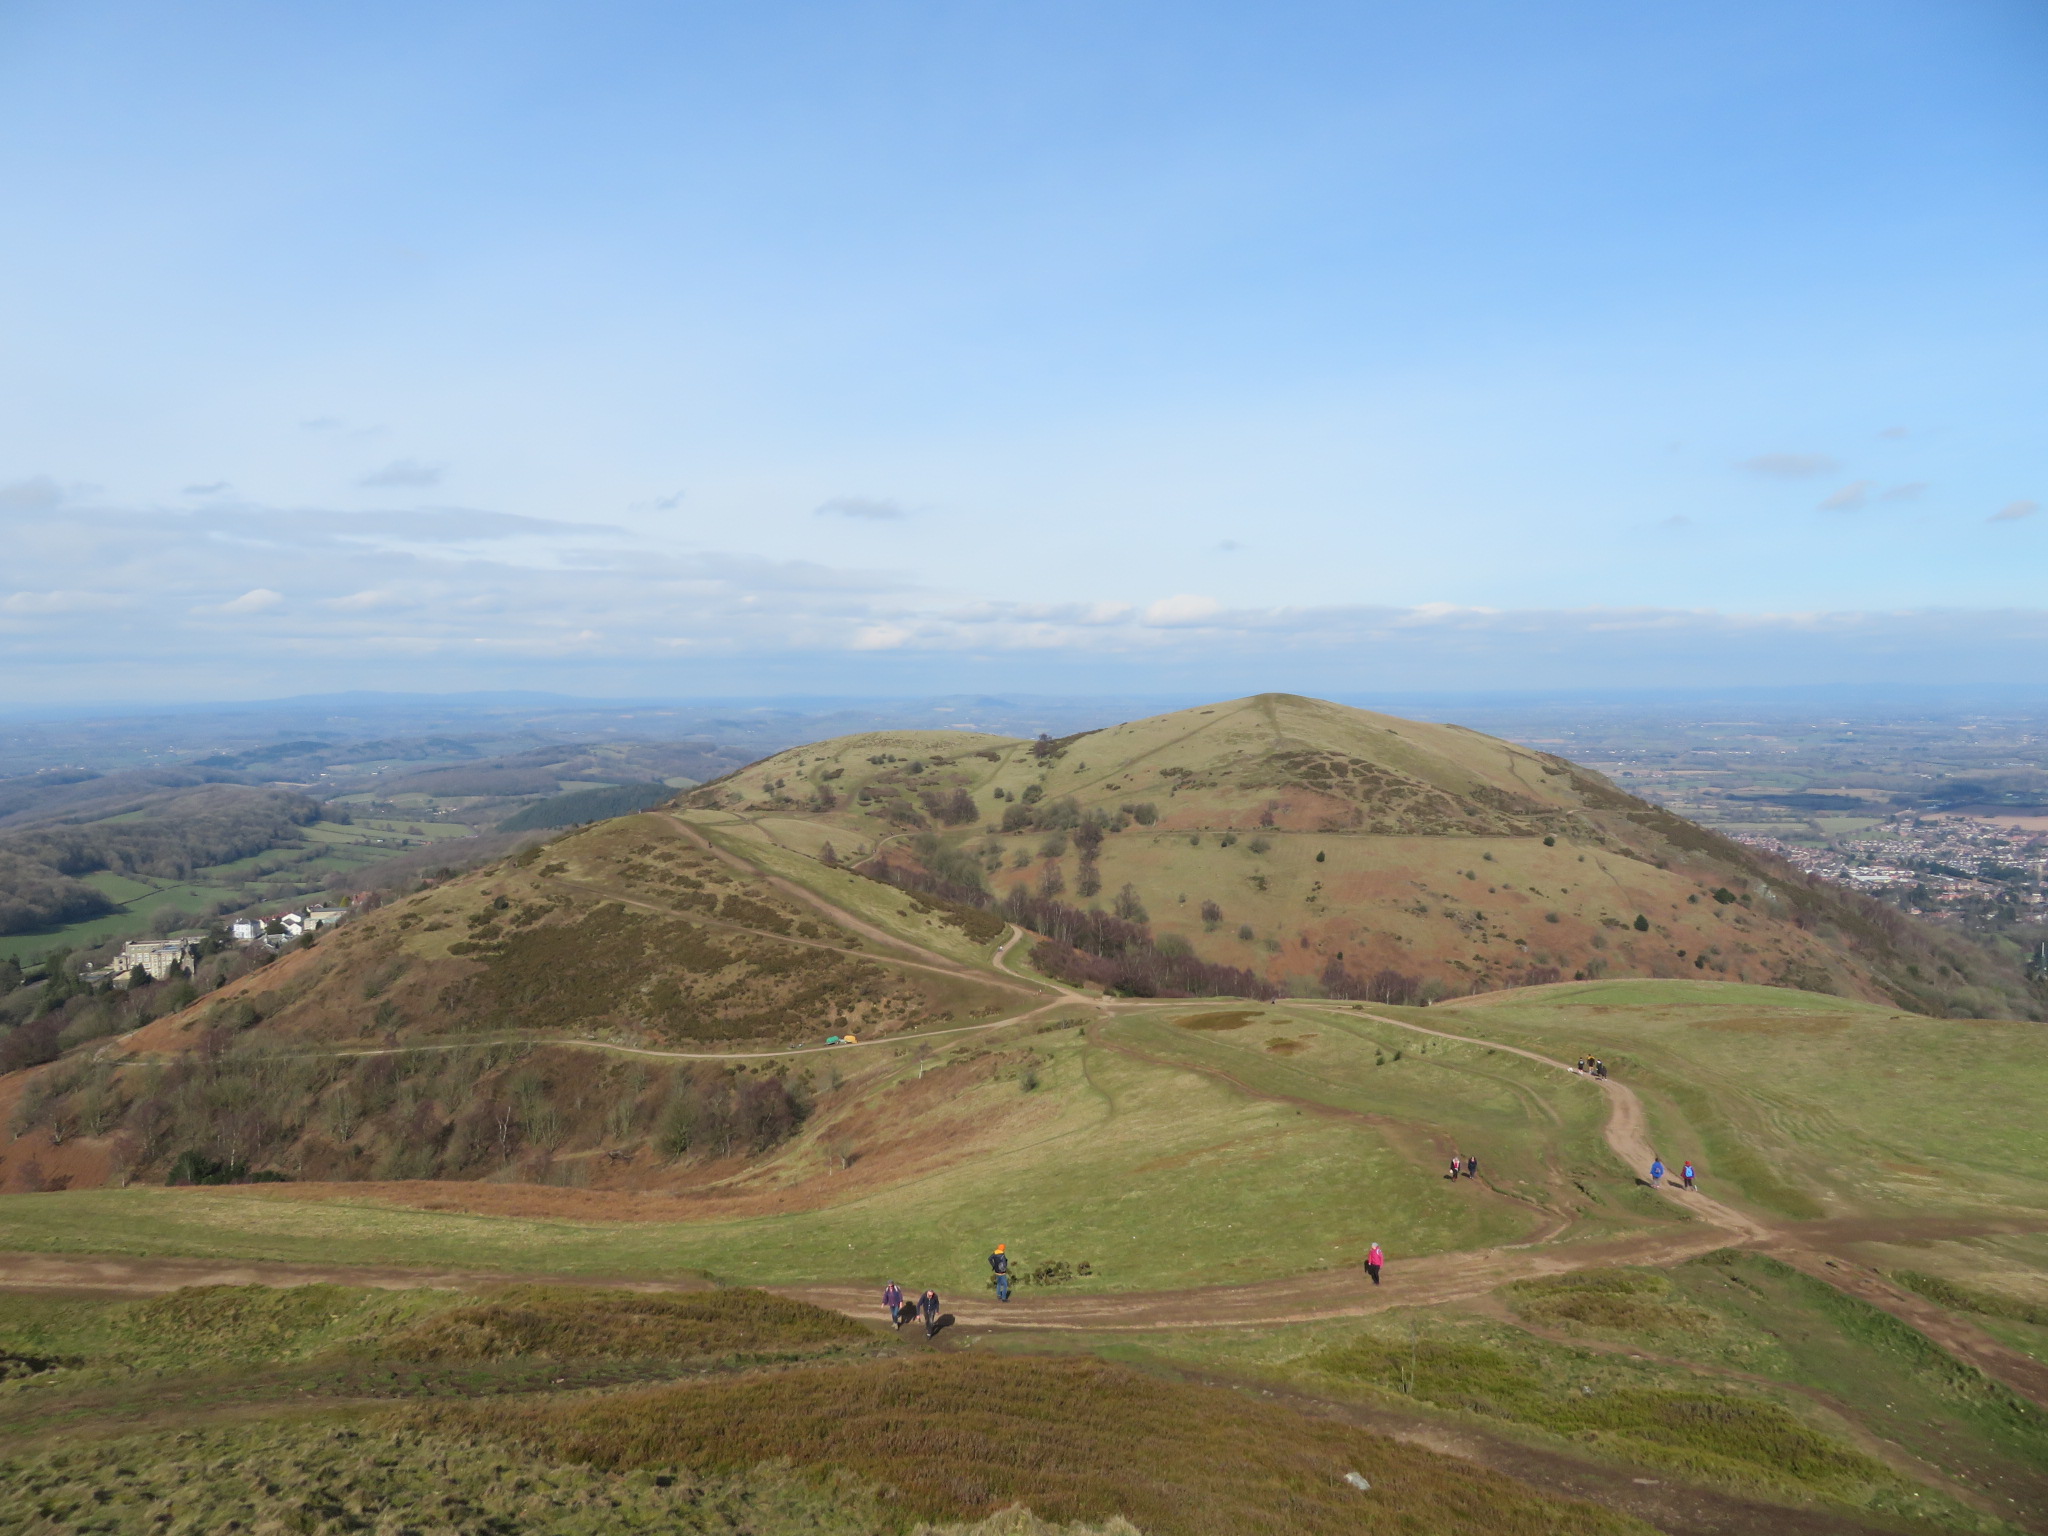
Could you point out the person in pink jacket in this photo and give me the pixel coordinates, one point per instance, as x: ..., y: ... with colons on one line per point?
x: 1374, y: 1260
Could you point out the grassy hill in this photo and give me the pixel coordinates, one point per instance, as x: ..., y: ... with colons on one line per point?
x: 1328, y: 849
x: 604, y: 1061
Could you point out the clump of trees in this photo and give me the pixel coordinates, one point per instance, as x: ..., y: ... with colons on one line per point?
x: 1120, y: 955
x: 224, y: 1113
x: 1385, y: 985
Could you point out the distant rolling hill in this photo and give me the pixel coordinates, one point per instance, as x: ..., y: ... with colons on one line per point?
x: 635, y: 987
x: 1332, y: 849
x: 582, y: 806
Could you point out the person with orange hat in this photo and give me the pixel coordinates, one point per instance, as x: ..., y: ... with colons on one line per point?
x: 999, y: 1261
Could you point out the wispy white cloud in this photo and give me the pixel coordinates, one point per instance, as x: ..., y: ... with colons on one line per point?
x: 255, y: 600
x: 873, y: 509
x: 2012, y: 512
x: 1790, y: 466
x: 404, y: 474
x: 468, y: 598
x: 61, y: 601
x: 34, y: 495
x: 1186, y: 608
x: 1849, y: 498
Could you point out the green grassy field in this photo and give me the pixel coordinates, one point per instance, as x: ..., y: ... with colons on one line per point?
x: 333, y: 852
x: 1159, y: 1155
x: 1808, y: 1105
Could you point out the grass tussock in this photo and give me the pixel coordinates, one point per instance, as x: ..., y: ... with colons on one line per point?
x: 1744, y: 1440
x: 962, y: 1438
x: 1612, y: 1300
x: 243, y: 1323
x: 567, y: 1323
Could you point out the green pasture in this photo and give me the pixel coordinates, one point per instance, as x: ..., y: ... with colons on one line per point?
x: 1533, y: 1129
x: 331, y: 851
x: 142, y: 898
x: 1802, y: 1104
x: 1153, y: 1173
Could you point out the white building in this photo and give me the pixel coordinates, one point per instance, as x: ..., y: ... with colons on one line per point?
x: 246, y: 929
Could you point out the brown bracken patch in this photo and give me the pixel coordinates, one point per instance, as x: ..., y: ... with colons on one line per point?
x: 1234, y: 1020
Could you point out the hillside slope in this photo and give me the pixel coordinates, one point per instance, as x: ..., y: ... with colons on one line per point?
x: 417, y: 1041
x: 616, y: 1009
x: 1324, y: 848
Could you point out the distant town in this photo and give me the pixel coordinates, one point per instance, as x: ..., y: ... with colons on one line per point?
x: 1931, y: 863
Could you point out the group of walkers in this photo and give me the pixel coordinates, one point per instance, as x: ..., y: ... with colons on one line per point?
x: 901, y: 1311
x: 926, y: 1306
x: 1591, y: 1066
x: 1688, y: 1175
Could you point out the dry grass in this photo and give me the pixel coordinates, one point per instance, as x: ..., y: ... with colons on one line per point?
x: 563, y: 1323
x: 1074, y: 1439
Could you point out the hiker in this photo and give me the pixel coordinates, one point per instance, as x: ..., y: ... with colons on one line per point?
x: 1581, y: 1067
x: 999, y: 1261
x: 1599, y: 1069
x: 1374, y: 1259
x: 892, y: 1298
x: 1456, y: 1165
x: 928, y: 1308
x: 1687, y: 1175
x: 1471, y: 1167
x: 1656, y: 1171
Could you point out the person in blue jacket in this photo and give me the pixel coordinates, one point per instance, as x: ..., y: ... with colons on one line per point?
x: 999, y: 1261
x: 1657, y: 1171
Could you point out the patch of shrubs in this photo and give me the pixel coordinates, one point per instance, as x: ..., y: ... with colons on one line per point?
x: 197, y: 1168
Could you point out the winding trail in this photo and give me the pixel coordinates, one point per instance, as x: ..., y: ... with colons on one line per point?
x: 1317, y: 1296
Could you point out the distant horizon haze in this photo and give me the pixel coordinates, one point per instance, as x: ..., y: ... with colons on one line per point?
x: 899, y: 348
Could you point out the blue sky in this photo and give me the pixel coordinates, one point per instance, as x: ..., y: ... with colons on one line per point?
x: 696, y: 349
